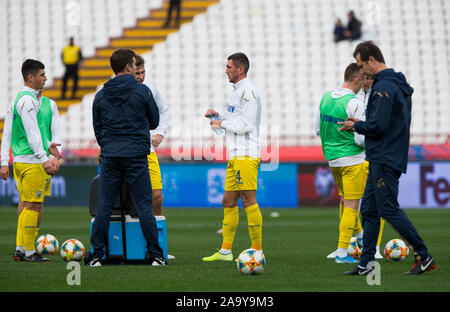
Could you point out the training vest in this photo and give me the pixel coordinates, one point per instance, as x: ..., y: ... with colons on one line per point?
x: 335, y: 143
x: 19, y: 140
x: 71, y: 55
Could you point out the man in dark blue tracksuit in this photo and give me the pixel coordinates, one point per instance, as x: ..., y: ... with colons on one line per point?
x: 386, y: 130
x: 124, y: 112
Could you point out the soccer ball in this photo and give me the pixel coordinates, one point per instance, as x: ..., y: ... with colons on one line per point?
x: 72, y: 250
x: 396, y: 250
x: 251, y: 261
x: 47, y: 244
x: 353, y: 249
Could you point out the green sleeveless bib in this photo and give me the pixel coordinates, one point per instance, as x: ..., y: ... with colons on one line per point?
x: 335, y: 143
x: 19, y: 140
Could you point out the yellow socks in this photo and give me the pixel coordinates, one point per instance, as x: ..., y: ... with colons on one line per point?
x: 254, y: 218
x: 230, y: 223
x: 380, y: 234
x: 19, y: 234
x: 341, y: 210
x: 358, y: 227
x: 346, y: 227
x: 229, y: 226
x: 29, y: 225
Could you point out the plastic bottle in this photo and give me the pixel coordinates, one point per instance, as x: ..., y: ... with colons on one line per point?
x: 218, y: 131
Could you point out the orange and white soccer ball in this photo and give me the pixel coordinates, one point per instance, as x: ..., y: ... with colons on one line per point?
x: 353, y: 249
x: 396, y: 250
x: 47, y: 244
x: 251, y: 261
x: 72, y: 250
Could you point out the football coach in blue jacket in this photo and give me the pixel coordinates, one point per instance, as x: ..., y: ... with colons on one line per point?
x: 123, y: 114
x: 386, y: 130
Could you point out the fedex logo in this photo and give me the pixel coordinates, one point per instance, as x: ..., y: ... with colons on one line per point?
x: 438, y: 184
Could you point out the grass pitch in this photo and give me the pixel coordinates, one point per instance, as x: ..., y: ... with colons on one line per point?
x: 295, y: 245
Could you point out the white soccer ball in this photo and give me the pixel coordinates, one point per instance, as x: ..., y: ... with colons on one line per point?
x: 72, y: 250
x: 396, y: 250
x: 353, y: 249
x: 47, y: 244
x: 251, y: 261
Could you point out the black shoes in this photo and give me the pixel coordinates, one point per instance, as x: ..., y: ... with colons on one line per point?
x: 18, y: 255
x: 358, y: 270
x: 422, y: 266
x: 94, y: 262
x: 35, y: 257
x: 158, y: 261
x: 419, y: 267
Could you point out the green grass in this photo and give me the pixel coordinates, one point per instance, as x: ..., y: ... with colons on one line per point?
x: 295, y: 246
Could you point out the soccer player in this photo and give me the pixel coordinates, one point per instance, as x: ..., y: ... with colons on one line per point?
x: 363, y: 95
x: 160, y: 132
x: 386, y: 131
x: 28, y: 130
x: 241, y: 123
x: 53, y: 147
x: 345, y: 154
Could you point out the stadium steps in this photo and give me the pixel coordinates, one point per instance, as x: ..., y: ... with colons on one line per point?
x: 148, y: 31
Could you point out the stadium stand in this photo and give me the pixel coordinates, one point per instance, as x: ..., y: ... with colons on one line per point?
x: 290, y: 44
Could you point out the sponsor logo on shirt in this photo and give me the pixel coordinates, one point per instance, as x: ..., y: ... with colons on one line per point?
x: 328, y: 118
x: 230, y: 109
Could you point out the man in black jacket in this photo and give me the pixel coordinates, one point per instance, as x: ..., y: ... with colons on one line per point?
x: 386, y: 130
x: 123, y: 113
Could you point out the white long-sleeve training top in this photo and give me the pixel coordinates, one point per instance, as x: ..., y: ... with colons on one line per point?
x: 363, y: 96
x: 355, y: 109
x: 27, y: 108
x: 163, y: 114
x: 242, y: 120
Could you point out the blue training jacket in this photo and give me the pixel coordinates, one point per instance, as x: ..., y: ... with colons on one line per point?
x: 388, y: 119
x: 124, y: 111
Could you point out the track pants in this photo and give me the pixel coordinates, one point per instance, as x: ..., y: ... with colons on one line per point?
x: 380, y: 200
x: 134, y: 170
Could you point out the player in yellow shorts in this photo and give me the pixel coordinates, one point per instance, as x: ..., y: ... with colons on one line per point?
x: 31, y: 124
x: 157, y: 137
x: 345, y: 155
x: 241, y: 124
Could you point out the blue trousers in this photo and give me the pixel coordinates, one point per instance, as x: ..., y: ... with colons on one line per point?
x: 380, y: 200
x: 133, y: 170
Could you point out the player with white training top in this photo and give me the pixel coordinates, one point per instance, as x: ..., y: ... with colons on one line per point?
x: 157, y: 136
x: 241, y: 123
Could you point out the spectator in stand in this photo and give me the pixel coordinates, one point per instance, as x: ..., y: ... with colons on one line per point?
x: 177, y: 5
x: 71, y: 57
x: 354, y: 25
x: 339, y: 31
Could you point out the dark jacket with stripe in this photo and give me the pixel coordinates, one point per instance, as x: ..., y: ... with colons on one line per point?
x: 388, y: 120
x: 123, y: 114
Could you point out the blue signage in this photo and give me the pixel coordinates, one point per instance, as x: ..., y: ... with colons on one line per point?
x: 202, y: 185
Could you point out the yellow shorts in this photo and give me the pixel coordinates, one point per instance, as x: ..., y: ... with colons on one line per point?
x: 351, y: 180
x: 242, y: 174
x: 32, y: 182
x: 155, y: 171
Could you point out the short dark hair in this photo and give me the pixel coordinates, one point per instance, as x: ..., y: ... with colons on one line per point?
x: 121, y: 58
x: 31, y: 67
x: 139, y: 60
x: 240, y: 59
x: 351, y: 72
x: 367, y: 49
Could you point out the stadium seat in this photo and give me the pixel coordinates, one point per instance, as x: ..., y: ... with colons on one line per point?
x: 293, y: 57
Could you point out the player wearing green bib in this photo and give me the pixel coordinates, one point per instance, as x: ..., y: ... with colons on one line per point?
x: 345, y: 156
x: 31, y: 130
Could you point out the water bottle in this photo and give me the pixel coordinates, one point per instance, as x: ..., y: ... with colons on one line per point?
x: 218, y: 131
